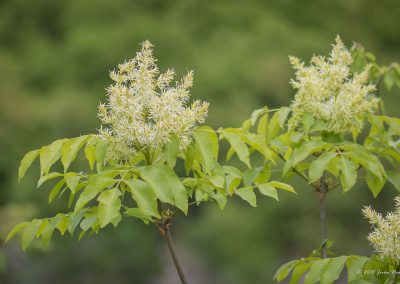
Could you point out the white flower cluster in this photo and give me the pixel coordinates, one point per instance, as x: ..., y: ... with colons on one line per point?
x: 385, y: 238
x: 143, y: 109
x: 327, y: 89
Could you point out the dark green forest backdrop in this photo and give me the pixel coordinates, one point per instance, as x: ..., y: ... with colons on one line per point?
x: 54, y: 62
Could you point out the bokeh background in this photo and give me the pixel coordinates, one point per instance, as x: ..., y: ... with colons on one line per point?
x: 54, y: 62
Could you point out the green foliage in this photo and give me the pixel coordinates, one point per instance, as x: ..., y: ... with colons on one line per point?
x: 389, y: 75
x: 359, y: 269
x: 327, y: 160
x: 150, y: 190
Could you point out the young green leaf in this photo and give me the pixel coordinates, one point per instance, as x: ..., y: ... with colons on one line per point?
x: 56, y: 190
x: 283, y: 113
x: 298, y: 272
x: 49, y: 155
x: 394, y: 178
x: 316, y: 271
x: 48, y: 177
x: 49, y: 229
x: 72, y: 180
x: 258, y: 143
x: 355, y: 265
x: 219, y: 198
x: 70, y: 149
x: 109, y: 206
x: 90, y: 153
x: 282, y: 185
x: 268, y: 190
x: 319, y: 165
x: 171, y: 150
x: 333, y: 269
x: 206, y: 145
x: 30, y: 232
x: 375, y: 184
x: 166, y: 185
x: 16, y: 230
x: 144, y: 197
x: 238, y: 146
x: 247, y: 194
x: 348, y: 174
x: 257, y: 113
x: 262, y: 125
x: 100, y: 154
x: 306, y: 149
x: 95, y: 185
x: 285, y: 270
x: 26, y: 162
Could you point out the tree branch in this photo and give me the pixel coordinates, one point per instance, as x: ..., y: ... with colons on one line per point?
x: 323, y: 190
x: 164, y: 228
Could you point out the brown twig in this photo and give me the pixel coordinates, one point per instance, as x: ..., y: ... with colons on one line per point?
x: 164, y: 227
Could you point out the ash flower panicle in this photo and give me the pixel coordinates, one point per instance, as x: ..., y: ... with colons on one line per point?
x: 143, y: 109
x: 385, y: 237
x: 328, y: 90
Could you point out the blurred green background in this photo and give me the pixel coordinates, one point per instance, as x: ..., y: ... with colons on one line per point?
x: 54, y: 62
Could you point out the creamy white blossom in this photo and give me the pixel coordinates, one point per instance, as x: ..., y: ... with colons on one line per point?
x: 385, y: 237
x: 144, y: 108
x: 328, y: 90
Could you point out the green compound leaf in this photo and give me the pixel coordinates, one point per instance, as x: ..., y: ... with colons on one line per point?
x: 109, y: 207
x: 100, y: 154
x: 394, y: 178
x: 238, y: 146
x: 16, y: 230
x: 298, y: 272
x: 285, y: 270
x: 375, y: 184
x: 95, y: 185
x: 319, y: 165
x: 283, y: 186
x: 70, y: 149
x: 171, y: 150
x: 207, y: 147
x: 333, y: 270
x: 355, y: 265
x: 30, y: 233
x: 316, y: 270
x: 49, y: 155
x: 47, y: 177
x: 247, y: 194
x: 26, y: 162
x: 166, y: 185
x: 90, y: 153
x: 56, y: 190
x: 268, y: 190
x: 348, y: 174
x: 144, y: 197
x: 301, y: 153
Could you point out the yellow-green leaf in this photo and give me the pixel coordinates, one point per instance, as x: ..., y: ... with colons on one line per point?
x: 144, y: 197
x: 49, y: 155
x: 282, y: 185
x: 109, y: 206
x: 247, y: 194
x: 319, y: 165
x: 166, y: 185
x: 171, y: 150
x: 26, y: 162
x: 70, y: 149
x: 348, y: 174
x: 268, y: 190
x: 16, y: 230
x: 238, y: 146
